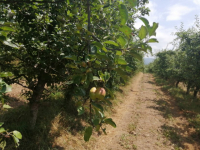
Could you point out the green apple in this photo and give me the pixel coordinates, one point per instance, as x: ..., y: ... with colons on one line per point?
x: 93, y: 93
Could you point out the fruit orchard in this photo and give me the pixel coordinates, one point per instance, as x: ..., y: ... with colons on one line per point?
x: 181, y: 64
x: 75, y: 43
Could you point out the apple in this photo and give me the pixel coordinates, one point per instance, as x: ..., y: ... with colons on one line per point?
x: 93, y: 93
x: 100, y: 93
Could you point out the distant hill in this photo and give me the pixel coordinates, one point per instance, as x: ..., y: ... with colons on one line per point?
x: 148, y: 60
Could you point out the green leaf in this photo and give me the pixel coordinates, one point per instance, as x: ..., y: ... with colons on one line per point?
x: 133, y: 3
x: 16, y: 140
x: 2, y: 38
x: 90, y: 76
x: 6, y: 106
x: 78, y: 91
x: 8, y: 43
x: 2, y: 130
x: 80, y: 110
x: 153, y: 40
x: 77, y: 79
x: 121, y: 73
x: 1, y: 123
x: 143, y: 32
x: 104, y: 131
x: 126, y: 30
x: 136, y: 55
x: 8, y: 88
x: 88, y: 133
x: 123, y: 12
x: 152, y: 29
x: 110, y: 122
x: 98, y: 44
x: 121, y: 40
x: 71, y: 57
x: 98, y: 106
x: 149, y: 48
x: 6, y: 74
x: 6, y: 28
x: 104, y: 49
x: 17, y: 134
x: 118, y: 53
x: 111, y: 95
x: 71, y: 66
x: 111, y: 42
x: 146, y: 22
x: 121, y: 61
x: 129, y: 69
x: 3, y: 144
x: 97, y: 127
x: 95, y: 78
x: 104, y: 76
x: 96, y: 121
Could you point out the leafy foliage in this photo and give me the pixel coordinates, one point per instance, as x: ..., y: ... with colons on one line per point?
x: 182, y: 64
x: 78, y: 46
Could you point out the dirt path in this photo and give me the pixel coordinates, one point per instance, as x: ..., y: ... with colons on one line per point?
x: 146, y: 121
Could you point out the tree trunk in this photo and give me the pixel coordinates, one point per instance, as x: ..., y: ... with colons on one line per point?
x: 177, y: 83
x: 188, y: 88
x: 34, y: 102
x: 196, y: 91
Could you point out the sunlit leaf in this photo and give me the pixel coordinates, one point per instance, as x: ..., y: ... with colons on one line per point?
x: 121, y: 40
x: 118, y: 53
x: 133, y: 3
x: 153, y: 40
x: 80, y: 110
x: 17, y: 134
x: 3, y: 144
x: 2, y: 130
x: 143, y: 32
x: 126, y: 30
x: 8, y: 43
x: 1, y: 123
x: 111, y: 42
x: 6, y: 106
x: 123, y: 12
x: 152, y: 29
x: 145, y: 21
x: 6, y: 28
x: 16, y: 140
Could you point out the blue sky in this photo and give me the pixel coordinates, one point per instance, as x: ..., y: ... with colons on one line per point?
x: 169, y: 14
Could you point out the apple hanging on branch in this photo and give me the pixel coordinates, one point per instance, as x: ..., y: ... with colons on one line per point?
x: 97, y: 93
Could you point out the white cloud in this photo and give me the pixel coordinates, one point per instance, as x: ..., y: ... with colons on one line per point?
x: 164, y: 37
x: 153, y: 17
x: 196, y: 2
x: 177, y: 11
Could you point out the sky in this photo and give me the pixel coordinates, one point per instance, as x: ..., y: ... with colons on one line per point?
x: 170, y: 14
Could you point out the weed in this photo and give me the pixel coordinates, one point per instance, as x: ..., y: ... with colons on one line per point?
x: 131, y: 127
x: 126, y: 140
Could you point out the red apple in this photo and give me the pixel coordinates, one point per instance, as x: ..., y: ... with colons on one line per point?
x: 100, y: 93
